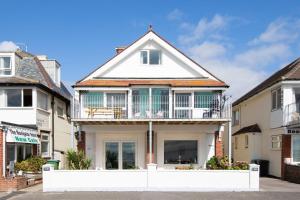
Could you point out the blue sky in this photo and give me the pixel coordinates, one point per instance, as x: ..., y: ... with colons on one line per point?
x: 241, y: 42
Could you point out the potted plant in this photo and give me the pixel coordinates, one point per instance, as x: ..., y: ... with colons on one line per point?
x: 31, y: 167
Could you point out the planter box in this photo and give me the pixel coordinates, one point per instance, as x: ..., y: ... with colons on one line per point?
x: 33, y: 175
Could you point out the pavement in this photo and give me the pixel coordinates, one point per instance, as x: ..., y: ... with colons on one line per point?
x: 270, y: 189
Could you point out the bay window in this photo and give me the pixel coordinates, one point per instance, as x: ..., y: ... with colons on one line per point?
x: 180, y: 151
x: 16, y: 98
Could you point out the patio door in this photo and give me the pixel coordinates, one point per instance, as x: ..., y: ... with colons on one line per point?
x: 120, y: 155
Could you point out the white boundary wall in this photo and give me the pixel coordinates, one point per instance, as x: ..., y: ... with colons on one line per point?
x: 151, y: 180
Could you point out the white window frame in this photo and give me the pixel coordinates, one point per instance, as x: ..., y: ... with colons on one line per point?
x: 120, y: 153
x: 4, y: 97
x: 292, y: 152
x: 276, y: 139
x: 236, y: 119
x: 37, y: 102
x: 12, y: 63
x: 148, y: 57
x: 45, y: 155
x: 278, y: 105
x: 60, y: 105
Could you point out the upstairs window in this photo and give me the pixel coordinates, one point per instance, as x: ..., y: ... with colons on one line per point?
x: 16, y: 98
x: 42, y: 100
x: 60, y: 111
x: 150, y: 57
x: 5, y: 66
x: 276, y: 99
x: 236, y: 117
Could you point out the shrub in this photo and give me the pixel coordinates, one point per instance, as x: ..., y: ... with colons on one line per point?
x: 32, y: 164
x: 223, y: 163
x: 77, y: 160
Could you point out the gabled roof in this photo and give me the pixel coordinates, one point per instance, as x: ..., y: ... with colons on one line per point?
x: 30, y: 71
x: 130, y: 48
x: 290, y: 72
x: 248, y: 129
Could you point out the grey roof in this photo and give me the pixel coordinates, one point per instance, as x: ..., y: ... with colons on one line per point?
x: 29, y: 70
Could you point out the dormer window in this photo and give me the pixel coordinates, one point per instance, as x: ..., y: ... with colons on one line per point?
x: 150, y: 57
x: 5, y: 65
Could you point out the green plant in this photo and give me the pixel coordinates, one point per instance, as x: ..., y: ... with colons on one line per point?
x: 223, y: 163
x: 77, y: 160
x: 32, y: 164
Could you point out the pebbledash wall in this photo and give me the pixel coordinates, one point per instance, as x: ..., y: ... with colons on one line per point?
x: 151, y: 179
x: 8, y: 184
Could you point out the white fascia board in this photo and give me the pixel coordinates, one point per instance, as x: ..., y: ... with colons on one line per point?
x: 102, y: 88
x: 140, y: 42
x: 197, y: 88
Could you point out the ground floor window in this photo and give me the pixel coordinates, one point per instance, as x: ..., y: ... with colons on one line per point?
x: 120, y: 155
x: 17, y: 152
x: 296, y: 148
x: 276, y: 142
x: 45, y: 144
x: 180, y: 151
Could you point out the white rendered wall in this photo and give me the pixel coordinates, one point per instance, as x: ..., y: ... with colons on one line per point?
x: 96, y: 136
x: 170, y: 66
x: 151, y: 180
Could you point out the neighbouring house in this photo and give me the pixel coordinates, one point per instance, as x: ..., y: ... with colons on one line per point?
x: 150, y: 103
x: 34, y: 112
x: 266, y: 123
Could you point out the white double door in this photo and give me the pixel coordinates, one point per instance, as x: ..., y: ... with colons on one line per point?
x: 120, y: 155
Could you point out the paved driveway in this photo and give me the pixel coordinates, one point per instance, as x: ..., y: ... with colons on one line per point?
x: 271, y: 189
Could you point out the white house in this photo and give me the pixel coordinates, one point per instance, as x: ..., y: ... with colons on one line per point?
x: 33, y: 102
x: 150, y: 103
x: 266, y: 123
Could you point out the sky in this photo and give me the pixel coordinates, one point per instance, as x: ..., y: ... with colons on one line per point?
x: 241, y: 42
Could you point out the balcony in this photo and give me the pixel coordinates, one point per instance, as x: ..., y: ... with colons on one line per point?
x: 175, y: 106
x: 291, y: 114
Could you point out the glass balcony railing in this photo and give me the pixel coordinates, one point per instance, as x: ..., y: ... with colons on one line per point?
x: 178, y: 106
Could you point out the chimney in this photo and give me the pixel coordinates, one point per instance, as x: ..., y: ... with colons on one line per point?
x: 52, y: 67
x: 120, y: 49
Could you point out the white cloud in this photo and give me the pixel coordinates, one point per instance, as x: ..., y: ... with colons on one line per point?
x: 207, y: 50
x: 246, y: 68
x: 175, y: 14
x: 280, y: 30
x: 262, y: 56
x: 204, y: 28
x: 8, y: 46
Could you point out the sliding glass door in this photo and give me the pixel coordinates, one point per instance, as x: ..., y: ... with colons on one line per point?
x: 120, y: 155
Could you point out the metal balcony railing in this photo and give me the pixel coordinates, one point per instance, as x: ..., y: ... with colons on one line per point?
x: 291, y: 114
x: 178, y: 106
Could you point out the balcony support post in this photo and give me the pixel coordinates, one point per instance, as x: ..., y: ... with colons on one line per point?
x: 129, y: 104
x: 150, y: 142
x: 150, y: 103
x: 170, y: 104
